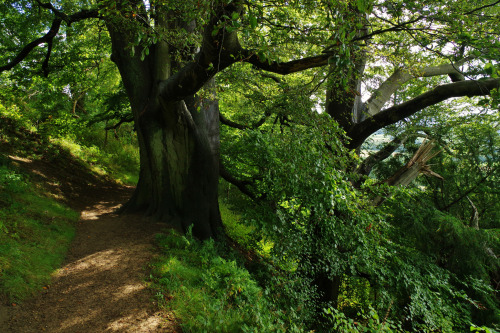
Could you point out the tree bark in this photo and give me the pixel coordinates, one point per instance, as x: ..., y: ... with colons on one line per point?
x: 344, y: 103
x: 382, y: 95
x: 178, y: 141
x: 179, y: 168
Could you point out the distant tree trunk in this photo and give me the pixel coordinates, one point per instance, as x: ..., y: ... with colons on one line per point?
x: 78, y: 101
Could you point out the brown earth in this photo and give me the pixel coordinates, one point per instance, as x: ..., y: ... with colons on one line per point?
x: 101, y: 286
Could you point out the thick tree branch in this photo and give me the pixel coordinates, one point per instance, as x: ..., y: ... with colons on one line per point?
x: 194, y: 75
x: 395, y: 27
x: 382, y: 95
x: 81, y: 15
x: 272, y: 77
x: 410, y: 171
x: 49, y: 6
x: 474, y: 220
x: 123, y: 120
x: 367, y: 165
x: 45, y: 64
x: 482, y: 7
x: 218, y: 51
x: 361, y: 131
x: 285, y: 68
x: 47, y: 38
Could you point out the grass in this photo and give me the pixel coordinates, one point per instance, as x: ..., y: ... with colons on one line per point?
x: 207, y: 287
x: 209, y: 292
x: 118, y: 160
x: 243, y: 233
x: 234, y: 227
x: 115, y: 156
x: 35, y: 232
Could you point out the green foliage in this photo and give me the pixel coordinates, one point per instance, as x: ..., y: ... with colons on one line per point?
x: 419, y: 253
x: 355, y: 295
x: 482, y: 329
x: 367, y: 322
x: 316, y: 221
x: 454, y: 260
x: 427, y: 266
x: 35, y: 232
x: 234, y: 226
x: 117, y: 158
x: 209, y: 292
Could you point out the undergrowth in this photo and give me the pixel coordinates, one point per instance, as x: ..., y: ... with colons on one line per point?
x: 208, y: 290
x: 35, y: 232
x: 115, y: 155
x: 236, y: 226
x: 118, y: 160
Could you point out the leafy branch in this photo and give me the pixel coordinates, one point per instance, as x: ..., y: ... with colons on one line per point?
x: 49, y: 36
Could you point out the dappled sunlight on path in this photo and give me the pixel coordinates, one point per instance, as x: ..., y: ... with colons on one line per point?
x: 101, y: 287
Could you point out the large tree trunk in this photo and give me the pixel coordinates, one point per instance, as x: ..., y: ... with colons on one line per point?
x: 179, y: 168
x: 178, y: 142
x: 343, y: 103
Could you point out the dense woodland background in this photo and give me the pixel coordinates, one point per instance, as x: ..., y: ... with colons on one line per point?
x: 339, y: 159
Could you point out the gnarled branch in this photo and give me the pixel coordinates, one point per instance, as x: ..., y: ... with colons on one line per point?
x: 49, y: 36
x: 367, y: 165
x: 123, y: 120
x: 288, y: 67
x: 482, y: 7
x: 193, y: 76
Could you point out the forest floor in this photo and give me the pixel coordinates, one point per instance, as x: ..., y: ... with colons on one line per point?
x: 101, y: 287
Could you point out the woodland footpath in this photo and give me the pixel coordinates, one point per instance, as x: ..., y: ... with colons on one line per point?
x: 320, y: 165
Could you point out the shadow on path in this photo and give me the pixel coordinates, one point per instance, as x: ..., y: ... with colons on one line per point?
x: 101, y: 286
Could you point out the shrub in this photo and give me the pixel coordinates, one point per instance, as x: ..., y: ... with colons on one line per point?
x: 210, y: 293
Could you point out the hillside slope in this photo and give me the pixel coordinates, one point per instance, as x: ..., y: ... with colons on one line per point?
x: 101, y: 285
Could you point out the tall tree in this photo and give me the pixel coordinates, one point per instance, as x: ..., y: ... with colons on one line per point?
x: 179, y: 171
x: 168, y: 53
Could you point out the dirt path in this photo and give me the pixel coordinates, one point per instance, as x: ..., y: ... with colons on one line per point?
x: 101, y: 286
